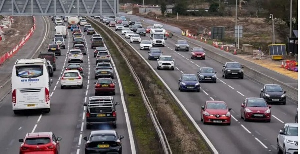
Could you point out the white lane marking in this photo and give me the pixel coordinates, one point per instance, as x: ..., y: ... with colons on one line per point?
x: 81, y: 128
x: 83, y: 116
x: 34, y: 128
x: 205, y: 92
x: 234, y: 118
x: 87, y: 87
x: 20, y: 128
x: 222, y: 81
x: 54, y: 88
x: 197, y: 65
x: 261, y: 143
x: 78, y: 151
x: 245, y: 128
x: 88, y: 82
x: 240, y: 93
x: 211, y: 98
x: 85, y: 99
x: 39, y: 118
x: 278, y: 119
x: 79, y: 140
x: 51, y: 94
x: 177, y: 68
x: 181, y: 72
x: 86, y: 92
x: 230, y: 87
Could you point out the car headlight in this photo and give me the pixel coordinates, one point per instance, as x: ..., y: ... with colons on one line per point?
x: 201, y: 76
x: 187, y: 46
x: 290, y: 141
x: 197, y: 84
x: 159, y: 63
x: 172, y: 63
x: 228, y: 70
x: 206, y: 113
x: 214, y: 76
x: 176, y: 45
x: 267, y: 95
x: 283, y: 95
x: 203, y: 54
x: 268, y: 111
x: 240, y: 71
x: 227, y: 114
x: 183, y: 83
x: 248, y: 110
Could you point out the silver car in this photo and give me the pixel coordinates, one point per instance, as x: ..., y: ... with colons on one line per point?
x: 103, y: 56
x: 60, y: 41
x: 287, y: 139
x: 182, y: 45
x: 75, y: 55
x: 104, y: 70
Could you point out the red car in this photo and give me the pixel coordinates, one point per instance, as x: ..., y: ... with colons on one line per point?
x: 119, y: 21
x: 76, y: 31
x: 198, y: 53
x: 112, y: 24
x: 104, y: 85
x: 40, y: 142
x: 216, y: 112
x: 255, y: 109
x: 148, y: 29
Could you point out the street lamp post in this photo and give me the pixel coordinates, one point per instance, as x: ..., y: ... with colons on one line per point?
x: 236, y: 10
x: 291, y: 11
x: 273, y: 29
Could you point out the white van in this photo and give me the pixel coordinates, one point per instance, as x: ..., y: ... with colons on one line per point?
x: 30, y: 85
x: 61, y: 30
x: 157, y: 37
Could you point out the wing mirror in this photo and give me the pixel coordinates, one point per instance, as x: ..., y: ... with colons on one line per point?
x: 157, y: 59
x: 215, y: 72
x: 224, y: 66
x: 84, y: 104
x: 229, y: 109
x: 179, y: 80
x: 261, y: 90
x: 58, y: 138
x: 121, y: 137
x: 21, y: 140
x: 281, y: 131
x: 284, y: 92
x: 85, y: 138
x: 95, y: 82
x: 149, y: 51
x: 165, y: 38
x: 269, y: 106
x: 242, y: 66
x: 243, y: 105
x: 202, y: 107
x: 117, y: 103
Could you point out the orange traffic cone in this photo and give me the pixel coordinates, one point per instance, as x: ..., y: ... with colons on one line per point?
x: 222, y: 47
x: 216, y: 44
x: 227, y: 49
x: 282, y: 64
x: 201, y: 39
x: 205, y: 40
x: 234, y: 52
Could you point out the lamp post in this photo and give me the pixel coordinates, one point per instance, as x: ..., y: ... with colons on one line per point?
x: 236, y: 20
x: 273, y: 29
x: 291, y: 11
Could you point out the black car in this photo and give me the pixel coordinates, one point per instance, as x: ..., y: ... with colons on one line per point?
x: 81, y: 47
x: 90, y: 31
x: 135, y: 27
x: 49, y: 56
x: 141, y: 31
x: 207, y: 74
x: 75, y: 66
x: 54, y: 48
x: 78, y: 40
x: 125, y: 23
x: 101, y: 109
x: 103, y: 141
x: 273, y: 93
x: 99, y: 49
x: 232, y: 69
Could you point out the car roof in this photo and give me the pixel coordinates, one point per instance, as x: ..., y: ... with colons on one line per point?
x: 272, y: 85
x: 206, y: 67
x: 66, y: 71
x: 215, y: 102
x: 98, y: 132
x: 104, y: 63
x: 232, y: 62
x: 254, y: 98
x: 75, y: 50
x: 104, y: 78
x: 39, y: 134
x: 165, y: 56
x: 78, y: 45
x: 74, y: 64
x: 101, y: 97
x: 292, y: 124
x: 188, y: 74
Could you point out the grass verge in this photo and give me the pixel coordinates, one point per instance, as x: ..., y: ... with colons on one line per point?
x: 144, y: 132
x: 181, y: 133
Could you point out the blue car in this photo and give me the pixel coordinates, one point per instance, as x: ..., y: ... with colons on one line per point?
x: 74, y: 27
x: 154, y: 53
x: 189, y: 82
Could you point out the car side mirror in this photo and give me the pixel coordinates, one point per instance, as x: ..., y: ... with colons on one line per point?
x: 179, y: 80
x: 95, y: 82
x: 242, y: 66
x: 261, y: 90
x: 85, y: 138
x: 148, y: 51
x: 284, y: 92
x: 229, y: 109
x: 84, y: 104
x: 165, y: 38
x: 224, y: 66
x: 281, y: 131
x: 117, y: 103
x: 173, y: 59
x: 202, y: 107
x: 269, y: 106
x: 58, y: 138
x: 157, y: 59
x: 21, y: 140
x: 243, y: 105
x: 215, y: 72
x: 121, y: 137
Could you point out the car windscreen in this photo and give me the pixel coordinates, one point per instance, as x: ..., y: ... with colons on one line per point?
x: 155, y: 51
x: 75, y: 52
x: 100, y: 48
x: 102, y: 54
x: 158, y: 36
x: 104, y: 81
x: 207, y: 70
x: 216, y: 106
x: 97, y: 39
x: 166, y: 58
x: 71, y: 74
x: 37, y: 141
x: 53, y: 46
x: 125, y: 22
x: 274, y: 88
x: 181, y: 42
x: 135, y: 35
x: 47, y: 56
x: 90, y: 29
x: 30, y: 71
x: 87, y: 26
x: 78, y: 40
x: 256, y: 103
x: 59, y: 39
x: 73, y: 66
x: 146, y: 42
x: 189, y: 78
x: 79, y: 46
x: 109, y: 137
x: 233, y: 65
x: 104, y: 65
x: 292, y: 131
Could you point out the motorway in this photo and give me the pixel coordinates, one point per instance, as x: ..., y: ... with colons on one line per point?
x: 66, y: 118
x: 240, y: 137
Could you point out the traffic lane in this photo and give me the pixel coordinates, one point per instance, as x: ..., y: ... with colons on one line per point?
x: 242, y: 87
x: 121, y: 122
x: 193, y: 103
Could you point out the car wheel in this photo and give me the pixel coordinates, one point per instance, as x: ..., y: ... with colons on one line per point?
x: 198, y: 90
x: 112, y: 77
x: 228, y: 124
x: 180, y: 89
x: 54, y: 69
x: 242, y: 77
x: 51, y: 74
x: 203, y: 58
x: 215, y: 81
x: 225, y: 76
x: 115, y: 125
x: 172, y: 68
x: 187, y: 49
x: 245, y: 119
x: 149, y: 58
x: 296, y: 119
x: 284, y: 103
x: 96, y: 78
x: 16, y: 112
x: 158, y: 68
x: 87, y: 126
x: 269, y: 120
x: 176, y: 49
x: 201, y: 118
x: 47, y: 110
x: 62, y: 87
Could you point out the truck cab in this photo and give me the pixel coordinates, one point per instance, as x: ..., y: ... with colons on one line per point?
x: 158, y: 37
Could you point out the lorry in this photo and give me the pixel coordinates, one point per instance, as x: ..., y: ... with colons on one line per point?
x: 61, y: 30
x: 158, y: 37
x: 73, y: 20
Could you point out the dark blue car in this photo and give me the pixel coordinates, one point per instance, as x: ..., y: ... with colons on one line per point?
x: 74, y: 27
x: 189, y: 82
x: 207, y: 74
x: 154, y: 53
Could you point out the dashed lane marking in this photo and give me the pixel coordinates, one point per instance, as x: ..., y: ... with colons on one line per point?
x: 240, y: 93
x: 234, y: 118
x: 230, y: 87
x: 211, y: 98
x: 261, y: 143
x: 245, y: 128
x: 278, y: 119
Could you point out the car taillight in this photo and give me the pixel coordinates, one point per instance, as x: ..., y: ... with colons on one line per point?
x: 47, y: 97
x: 86, y: 145
x: 112, y: 85
x: 67, y: 68
x: 119, y: 143
x: 87, y: 114
x: 95, y: 51
x: 80, y: 69
x: 79, y: 77
x: 14, y: 96
x: 114, y: 114
x: 98, y: 85
x: 50, y: 147
x: 62, y: 78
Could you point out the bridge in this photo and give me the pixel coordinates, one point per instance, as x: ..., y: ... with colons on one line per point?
x: 59, y: 7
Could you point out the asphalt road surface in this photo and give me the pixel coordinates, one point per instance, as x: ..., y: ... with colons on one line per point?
x: 66, y: 118
x: 240, y: 136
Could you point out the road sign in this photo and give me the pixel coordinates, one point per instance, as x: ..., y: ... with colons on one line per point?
x: 238, y: 31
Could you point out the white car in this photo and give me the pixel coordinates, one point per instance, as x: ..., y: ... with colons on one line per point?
x: 71, y: 78
x: 165, y: 62
x: 128, y: 34
x: 145, y: 44
x: 135, y: 38
x: 82, y: 22
x: 75, y: 55
x: 119, y: 27
x: 125, y: 30
x: 287, y: 139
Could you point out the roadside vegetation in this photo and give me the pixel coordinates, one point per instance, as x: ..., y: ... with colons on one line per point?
x: 182, y: 135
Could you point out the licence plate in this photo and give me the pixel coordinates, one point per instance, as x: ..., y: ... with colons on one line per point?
x: 233, y: 73
x: 155, y: 57
x: 199, y: 56
x: 258, y: 115
x: 30, y: 105
x: 102, y: 57
x: 71, y: 79
x: 103, y: 146
x: 103, y: 72
x: 217, y: 121
x: 53, y: 48
x: 100, y: 115
x: 104, y: 85
x: 207, y: 78
x: 146, y: 47
x: 190, y: 87
x: 275, y: 99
